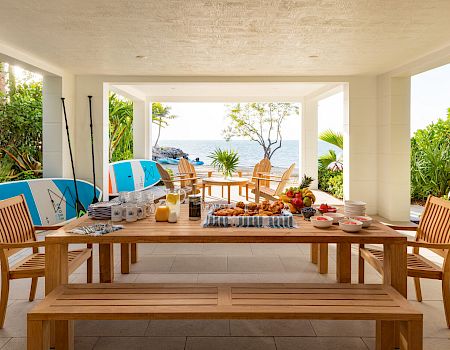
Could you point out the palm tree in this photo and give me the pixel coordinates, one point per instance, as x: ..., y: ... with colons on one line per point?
x: 330, y: 159
x: 160, y: 116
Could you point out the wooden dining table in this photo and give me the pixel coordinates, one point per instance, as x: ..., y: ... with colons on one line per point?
x: 186, y: 231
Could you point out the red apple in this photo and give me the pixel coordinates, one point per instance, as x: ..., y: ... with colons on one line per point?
x: 290, y: 194
x: 297, y: 202
x: 299, y: 195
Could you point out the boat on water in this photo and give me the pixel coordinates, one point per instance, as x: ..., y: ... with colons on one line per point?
x: 175, y: 161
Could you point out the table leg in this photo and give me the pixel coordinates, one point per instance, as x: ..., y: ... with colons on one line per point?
x: 343, y: 263
x: 203, y: 194
x: 106, y: 259
x: 411, y: 335
x: 125, y: 258
x: 323, y: 258
x: 395, y: 267
x: 134, y: 253
x: 222, y: 191
x: 240, y: 187
x: 229, y: 194
x: 314, y: 253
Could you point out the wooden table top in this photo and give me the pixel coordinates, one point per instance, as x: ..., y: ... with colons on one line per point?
x: 233, y: 181
x: 186, y: 231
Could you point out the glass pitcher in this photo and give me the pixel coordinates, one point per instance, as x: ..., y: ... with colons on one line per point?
x: 174, y: 198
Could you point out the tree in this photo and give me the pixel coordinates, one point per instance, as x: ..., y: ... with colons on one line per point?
x: 259, y: 122
x: 161, y: 116
x: 330, y: 159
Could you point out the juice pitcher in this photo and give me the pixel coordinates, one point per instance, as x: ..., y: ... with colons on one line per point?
x: 173, y: 199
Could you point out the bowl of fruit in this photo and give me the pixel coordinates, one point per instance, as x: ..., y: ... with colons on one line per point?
x: 321, y: 221
x: 299, y: 197
x: 325, y: 208
x: 350, y: 225
x: 366, y: 220
x: 336, y: 217
x: 308, y: 212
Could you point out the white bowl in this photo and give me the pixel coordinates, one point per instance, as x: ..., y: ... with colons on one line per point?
x: 357, y: 226
x: 335, y: 216
x: 366, y: 220
x: 321, y: 223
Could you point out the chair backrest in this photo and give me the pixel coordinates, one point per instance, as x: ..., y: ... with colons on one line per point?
x: 434, y: 225
x: 185, y: 167
x: 265, y: 167
x: 15, y: 222
x: 165, y: 177
x: 284, y: 180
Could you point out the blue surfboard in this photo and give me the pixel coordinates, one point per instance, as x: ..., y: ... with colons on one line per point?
x: 51, y: 201
x: 132, y: 175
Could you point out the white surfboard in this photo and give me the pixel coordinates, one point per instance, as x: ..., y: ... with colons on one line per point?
x: 51, y: 201
x: 132, y: 175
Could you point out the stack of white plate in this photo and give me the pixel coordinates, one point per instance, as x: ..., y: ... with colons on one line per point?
x: 354, y: 208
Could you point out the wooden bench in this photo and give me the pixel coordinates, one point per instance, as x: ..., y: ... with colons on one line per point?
x: 224, y: 301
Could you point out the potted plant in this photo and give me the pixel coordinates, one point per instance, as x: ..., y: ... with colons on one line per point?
x: 225, y: 161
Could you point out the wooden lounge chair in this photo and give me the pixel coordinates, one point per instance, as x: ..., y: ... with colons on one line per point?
x: 183, y: 180
x: 187, y: 169
x: 261, y: 169
x: 18, y: 233
x: 433, y: 233
x: 270, y: 193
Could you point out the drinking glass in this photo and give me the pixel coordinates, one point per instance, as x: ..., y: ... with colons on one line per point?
x: 173, y: 199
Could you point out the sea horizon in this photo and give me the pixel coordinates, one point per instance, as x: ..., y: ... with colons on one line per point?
x: 250, y: 152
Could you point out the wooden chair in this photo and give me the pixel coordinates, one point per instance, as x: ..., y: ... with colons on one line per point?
x: 183, y: 180
x: 261, y: 169
x: 433, y: 233
x: 187, y: 169
x: 270, y: 193
x: 18, y: 233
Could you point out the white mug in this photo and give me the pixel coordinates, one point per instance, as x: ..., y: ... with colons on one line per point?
x: 131, y: 213
x: 116, y: 213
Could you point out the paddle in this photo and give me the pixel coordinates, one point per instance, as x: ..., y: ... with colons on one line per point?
x: 95, y: 199
x: 79, y: 208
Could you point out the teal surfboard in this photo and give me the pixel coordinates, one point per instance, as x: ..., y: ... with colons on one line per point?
x: 132, y: 175
x: 50, y: 201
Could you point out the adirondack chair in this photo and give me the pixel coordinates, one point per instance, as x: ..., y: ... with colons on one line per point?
x: 187, y: 169
x: 270, y: 193
x: 433, y: 233
x: 171, y: 181
x: 17, y: 233
x: 261, y: 169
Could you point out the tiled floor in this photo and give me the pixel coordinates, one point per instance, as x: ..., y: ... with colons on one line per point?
x: 226, y: 263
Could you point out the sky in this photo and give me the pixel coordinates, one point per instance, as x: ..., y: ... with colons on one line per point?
x: 430, y: 98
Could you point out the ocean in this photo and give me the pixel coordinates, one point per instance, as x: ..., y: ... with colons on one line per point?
x: 250, y: 152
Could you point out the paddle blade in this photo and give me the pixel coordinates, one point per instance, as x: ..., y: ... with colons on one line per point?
x: 79, y: 209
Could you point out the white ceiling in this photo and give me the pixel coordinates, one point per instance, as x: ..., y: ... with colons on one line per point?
x: 232, y: 37
x: 223, y: 92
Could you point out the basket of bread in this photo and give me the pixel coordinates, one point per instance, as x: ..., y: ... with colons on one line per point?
x: 264, y: 214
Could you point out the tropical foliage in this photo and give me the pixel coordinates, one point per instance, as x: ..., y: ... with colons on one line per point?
x: 331, y: 177
x: 430, y: 160
x: 120, y: 128
x: 259, y: 122
x: 21, y: 128
x: 225, y: 161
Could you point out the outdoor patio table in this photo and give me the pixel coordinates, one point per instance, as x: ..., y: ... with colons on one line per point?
x: 185, y: 231
x: 228, y: 182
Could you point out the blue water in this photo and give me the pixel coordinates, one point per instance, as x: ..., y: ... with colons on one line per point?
x: 250, y: 152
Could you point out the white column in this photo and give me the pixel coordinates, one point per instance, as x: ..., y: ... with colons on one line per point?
x: 360, y: 142
x: 309, y: 141
x: 94, y: 86
x: 52, y: 127
x: 142, y: 129
x: 394, y: 148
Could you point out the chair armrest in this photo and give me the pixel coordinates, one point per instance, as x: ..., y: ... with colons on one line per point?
x: 265, y: 179
x: 47, y: 228
x: 22, y: 245
x: 268, y: 174
x: 428, y: 245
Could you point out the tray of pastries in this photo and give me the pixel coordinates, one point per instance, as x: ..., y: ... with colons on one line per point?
x: 264, y: 214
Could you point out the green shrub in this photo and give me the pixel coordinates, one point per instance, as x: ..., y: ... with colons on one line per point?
x: 331, y: 181
x: 430, y: 160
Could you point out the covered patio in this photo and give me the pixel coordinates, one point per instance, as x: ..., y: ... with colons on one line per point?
x: 204, y: 51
